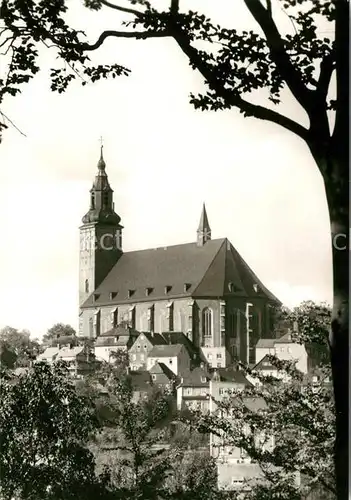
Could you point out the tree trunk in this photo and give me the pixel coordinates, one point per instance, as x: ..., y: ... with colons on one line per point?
x: 338, y: 202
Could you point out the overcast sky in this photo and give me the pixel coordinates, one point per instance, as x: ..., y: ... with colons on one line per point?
x: 164, y: 159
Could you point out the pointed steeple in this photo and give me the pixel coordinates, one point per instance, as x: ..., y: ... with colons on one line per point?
x: 101, y: 197
x: 204, y: 230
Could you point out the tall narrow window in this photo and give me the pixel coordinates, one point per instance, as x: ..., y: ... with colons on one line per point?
x: 92, y: 200
x: 207, y: 327
x: 97, y: 323
x: 190, y: 326
x: 222, y: 323
x: 170, y: 316
x: 114, y: 317
x: 86, y: 286
x: 151, y: 319
x: 131, y: 317
x: 91, y: 327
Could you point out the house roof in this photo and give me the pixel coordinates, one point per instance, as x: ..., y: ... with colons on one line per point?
x: 285, y: 339
x: 198, y: 377
x: 230, y: 375
x: 207, y: 270
x: 180, y: 338
x: 264, y: 364
x: 141, y: 380
x: 166, y: 351
x: 153, y: 338
x: 67, y: 352
x: 48, y: 353
x: 266, y: 343
x: 161, y: 368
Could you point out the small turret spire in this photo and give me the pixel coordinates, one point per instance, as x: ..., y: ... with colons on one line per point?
x: 101, y: 163
x: 204, y: 230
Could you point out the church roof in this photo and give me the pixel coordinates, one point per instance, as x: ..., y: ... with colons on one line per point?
x: 213, y: 270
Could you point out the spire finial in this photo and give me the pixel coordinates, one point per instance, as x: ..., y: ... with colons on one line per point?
x: 101, y: 164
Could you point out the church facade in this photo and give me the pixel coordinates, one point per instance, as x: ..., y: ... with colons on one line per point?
x: 203, y: 288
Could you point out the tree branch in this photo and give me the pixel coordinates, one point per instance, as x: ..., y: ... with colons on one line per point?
x: 121, y: 9
x: 139, y: 35
x: 278, y: 53
x: 235, y: 100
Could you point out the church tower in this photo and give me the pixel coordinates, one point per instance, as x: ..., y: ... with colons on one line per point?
x: 204, y: 230
x: 100, y: 235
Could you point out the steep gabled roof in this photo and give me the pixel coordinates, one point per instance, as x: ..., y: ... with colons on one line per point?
x: 161, y: 368
x: 285, y: 339
x: 230, y: 375
x: 264, y: 364
x: 198, y: 377
x: 163, y: 273
x: 266, y: 343
x: 166, y: 351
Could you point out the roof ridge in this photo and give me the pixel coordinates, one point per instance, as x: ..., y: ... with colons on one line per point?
x: 210, y: 264
x: 168, y: 246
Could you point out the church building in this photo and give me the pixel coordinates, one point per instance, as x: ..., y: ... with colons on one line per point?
x: 204, y: 288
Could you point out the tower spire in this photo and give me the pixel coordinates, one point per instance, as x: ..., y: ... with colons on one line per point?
x: 204, y: 230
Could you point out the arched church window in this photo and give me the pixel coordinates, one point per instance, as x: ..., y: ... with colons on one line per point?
x: 105, y: 199
x: 86, y: 286
x: 207, y: 325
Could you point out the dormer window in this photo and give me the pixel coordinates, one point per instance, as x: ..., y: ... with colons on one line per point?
x: 255, y: 287
x: 131, y: 293
x: 187, y: 286
x: 148, y: 291
x: 113, y: 295
x: 231, y: 287
x: 168, y: 288
x: 203, y: 380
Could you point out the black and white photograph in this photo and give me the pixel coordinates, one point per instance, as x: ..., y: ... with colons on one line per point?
x: 174, y: 259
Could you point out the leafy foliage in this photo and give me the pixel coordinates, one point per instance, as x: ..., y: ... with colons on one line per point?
x: 285, y: 424
x: 59, y: 330
x: 43, y: 427
x: 17, y: 348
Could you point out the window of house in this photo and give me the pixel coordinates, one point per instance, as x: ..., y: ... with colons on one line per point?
x: 314, y: 378
x: 203, y: 380
x: 219, y: 365
x: 86, y: 286
x: 282, y: 349
x: 138, y: 346
x: 289, y: 349
x: 189, y: 391
x: 133, y: 357
x: 209, y: 355
x: 170, y: 361
x: 219, y: 355
x: 145, y: 347
x: 207, y: 326
x: 222, y: 391
x: 153, y: 376
x: 142, y: 357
